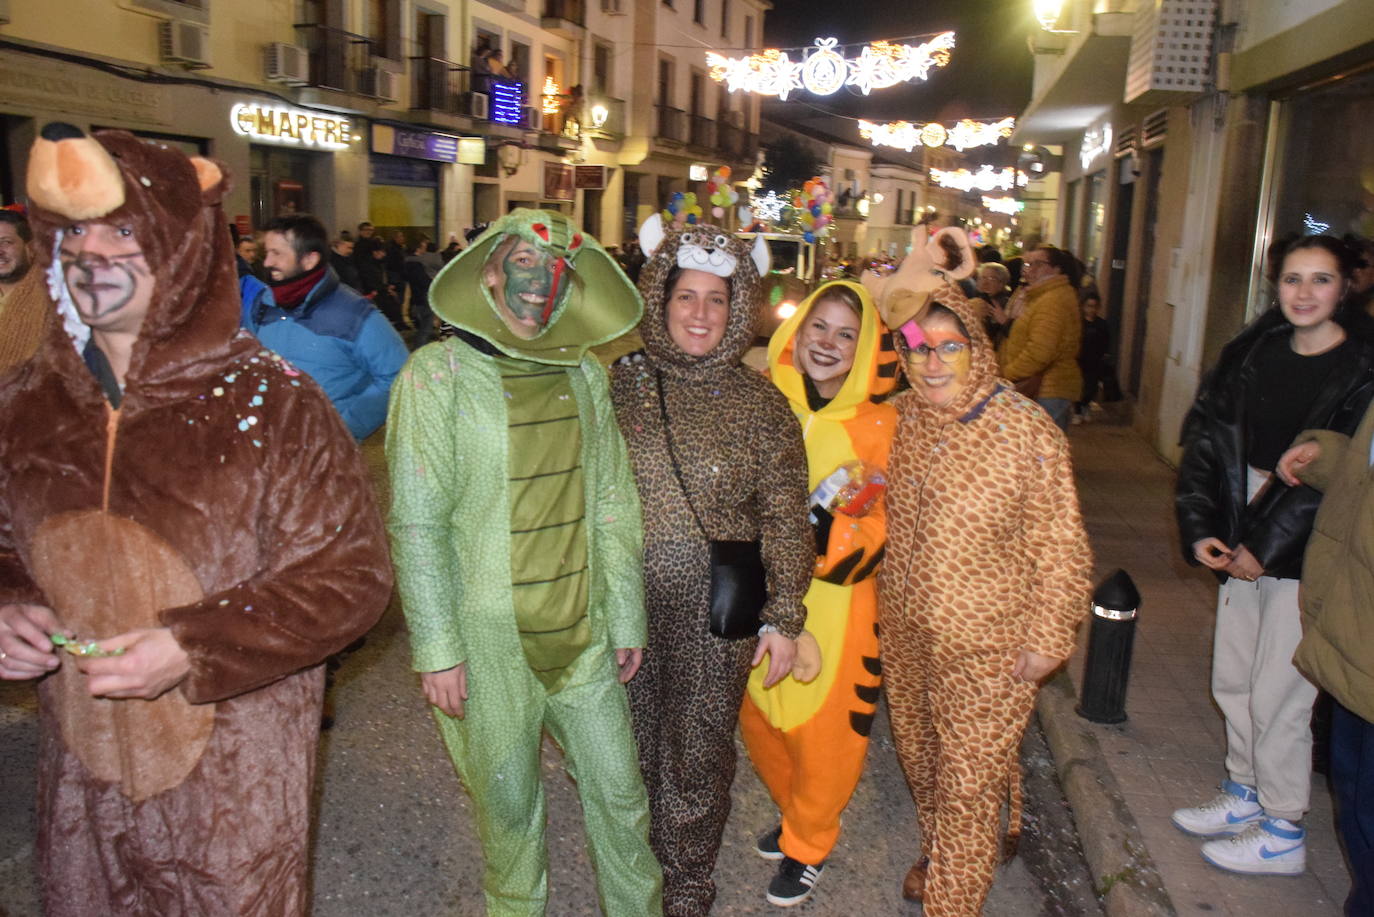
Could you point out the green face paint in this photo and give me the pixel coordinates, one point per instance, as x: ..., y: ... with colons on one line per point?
x: 524, y: 295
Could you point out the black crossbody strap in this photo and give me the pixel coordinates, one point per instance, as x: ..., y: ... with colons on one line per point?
x: 672, y: 453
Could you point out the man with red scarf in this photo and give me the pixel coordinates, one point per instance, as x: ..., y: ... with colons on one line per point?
x: 321, y: 325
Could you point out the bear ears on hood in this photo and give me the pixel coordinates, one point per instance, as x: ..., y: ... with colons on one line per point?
x: 116, y: 177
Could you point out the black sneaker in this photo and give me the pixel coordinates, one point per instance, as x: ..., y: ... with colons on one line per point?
x: 767, y: 844
x: 794, y: 882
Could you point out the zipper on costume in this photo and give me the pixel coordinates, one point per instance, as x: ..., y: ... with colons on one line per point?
x: 111, y: 433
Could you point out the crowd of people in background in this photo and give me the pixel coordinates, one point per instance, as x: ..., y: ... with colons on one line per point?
x: 892, y: 506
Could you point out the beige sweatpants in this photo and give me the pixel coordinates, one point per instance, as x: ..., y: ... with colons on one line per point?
x: 1267, y: 702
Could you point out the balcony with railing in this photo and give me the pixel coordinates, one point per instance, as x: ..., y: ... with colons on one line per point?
x: 670, y: 123
x: 566, y: 18
x: 340, y: 60
x: 737, y: 144
x: 440, y: 85
x: 701, y: 132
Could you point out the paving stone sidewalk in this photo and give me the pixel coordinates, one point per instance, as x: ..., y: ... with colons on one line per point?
x: 1169, y: 752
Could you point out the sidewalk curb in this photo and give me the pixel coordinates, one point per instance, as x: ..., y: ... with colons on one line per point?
x: 1121, y: 865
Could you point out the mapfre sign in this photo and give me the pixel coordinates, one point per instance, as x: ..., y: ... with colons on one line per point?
x: 291, y: 126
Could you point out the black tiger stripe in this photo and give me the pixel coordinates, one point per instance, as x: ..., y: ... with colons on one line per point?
x: 867, y: 569
x: 862, y: 723
x: 874, y: 665
x: 838, y: 575
x: 887, y: 370
x: 868, y: 693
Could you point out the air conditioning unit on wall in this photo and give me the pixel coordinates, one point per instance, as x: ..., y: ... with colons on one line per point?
x: 381, y: 83
x: 286, y: 63
x: 531, y: 118
x: 479, y: 105
x: 184, y: 43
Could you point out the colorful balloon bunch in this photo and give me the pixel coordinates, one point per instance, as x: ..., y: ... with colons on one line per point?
x: 719, y: 192
x: 682, y: 208
x: 813, y: 207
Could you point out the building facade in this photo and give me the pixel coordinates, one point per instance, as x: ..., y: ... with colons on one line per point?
x: 1193, y: 134
x: 420, y: 115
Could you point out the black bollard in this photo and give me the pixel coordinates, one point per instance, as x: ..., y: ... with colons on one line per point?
x: 1110, y: 637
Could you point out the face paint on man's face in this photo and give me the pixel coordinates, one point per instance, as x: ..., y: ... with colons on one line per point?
x: 526, y: 291
x: 106, y: 274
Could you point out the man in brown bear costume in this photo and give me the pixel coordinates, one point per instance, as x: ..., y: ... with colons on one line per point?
x: 188, y: 515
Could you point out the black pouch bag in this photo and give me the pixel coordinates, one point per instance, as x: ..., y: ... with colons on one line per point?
x: 739, y: 586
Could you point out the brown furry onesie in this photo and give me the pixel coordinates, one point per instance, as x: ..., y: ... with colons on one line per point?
x: 741, y: 454
x: 225, y: 500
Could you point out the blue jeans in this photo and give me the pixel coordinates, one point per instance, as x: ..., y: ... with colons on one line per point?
x: 1058, y: 409
x: 1352, y: 778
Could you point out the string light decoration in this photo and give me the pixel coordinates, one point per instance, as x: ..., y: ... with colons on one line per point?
x: 824, y: 71
x: 1008, y: 205
x: 769, y: 207
x: 985, y: 179
x: 552, y: 102
x: 904, y: 135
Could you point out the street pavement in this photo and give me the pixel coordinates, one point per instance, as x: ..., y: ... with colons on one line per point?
x: 1170, y: 750
x: 395, y: 834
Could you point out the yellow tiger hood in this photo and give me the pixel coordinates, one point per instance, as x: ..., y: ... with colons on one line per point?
x: 875, y: 363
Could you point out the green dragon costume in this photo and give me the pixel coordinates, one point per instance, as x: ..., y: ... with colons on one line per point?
x: 505, y: 456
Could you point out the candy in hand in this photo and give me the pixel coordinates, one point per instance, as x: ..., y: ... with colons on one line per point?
x: 88, y: 648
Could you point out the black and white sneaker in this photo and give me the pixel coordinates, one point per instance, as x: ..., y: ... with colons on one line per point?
x: 794, y: 882
x: 767, y: 845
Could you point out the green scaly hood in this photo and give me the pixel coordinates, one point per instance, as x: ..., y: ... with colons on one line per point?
x: 600, y: 303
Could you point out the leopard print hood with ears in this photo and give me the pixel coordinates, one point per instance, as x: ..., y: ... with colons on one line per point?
x: 707, y: 248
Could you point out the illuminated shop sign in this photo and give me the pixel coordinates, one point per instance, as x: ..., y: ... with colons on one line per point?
x: 1095, y: 142
x: 505, y: 102
x: 291, y: 126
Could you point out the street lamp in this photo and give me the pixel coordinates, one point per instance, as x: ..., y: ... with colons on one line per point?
x: 599, y: 115
x: 1048, y: 11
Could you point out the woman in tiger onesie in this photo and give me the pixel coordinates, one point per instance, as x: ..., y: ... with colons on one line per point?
x: 835, y: 362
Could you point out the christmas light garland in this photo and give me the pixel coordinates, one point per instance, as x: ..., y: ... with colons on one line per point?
x: 824, y: 71
x: 904, y: 135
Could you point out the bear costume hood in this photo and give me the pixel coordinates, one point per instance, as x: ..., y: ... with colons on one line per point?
x: 172, y: 204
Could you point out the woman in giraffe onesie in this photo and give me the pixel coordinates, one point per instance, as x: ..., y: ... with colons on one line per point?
x: 834, y: 361
x: 985, y: 581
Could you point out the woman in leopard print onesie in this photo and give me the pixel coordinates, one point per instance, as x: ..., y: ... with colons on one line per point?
x: 744, y: 469
x: 985, y: 581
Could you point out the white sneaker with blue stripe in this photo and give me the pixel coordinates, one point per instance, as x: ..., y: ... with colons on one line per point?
x: 1269, y: 847
x: 1231, y: 812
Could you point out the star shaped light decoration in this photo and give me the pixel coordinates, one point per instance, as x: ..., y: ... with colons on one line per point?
x: 880, y: 65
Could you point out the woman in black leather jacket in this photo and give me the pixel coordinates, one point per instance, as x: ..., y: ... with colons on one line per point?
x: 1303, y: 364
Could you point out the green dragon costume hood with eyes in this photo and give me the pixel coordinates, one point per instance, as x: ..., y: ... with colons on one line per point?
x: 575, y: 323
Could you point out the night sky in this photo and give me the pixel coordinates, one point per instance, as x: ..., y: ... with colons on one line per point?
x: 989, y: 75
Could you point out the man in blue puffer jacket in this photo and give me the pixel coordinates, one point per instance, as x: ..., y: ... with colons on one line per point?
x: 322, y: 326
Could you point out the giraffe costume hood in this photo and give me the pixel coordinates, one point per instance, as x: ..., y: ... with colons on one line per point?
x: 808, y: 740
x: 987, y: 557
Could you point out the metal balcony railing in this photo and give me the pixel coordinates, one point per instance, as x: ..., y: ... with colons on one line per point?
x: 574, y: 11
x: 701, y: 132
x: 736, y: 143
x: 338, y: 59
x: 670, y: 123
x: 439, y: 85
